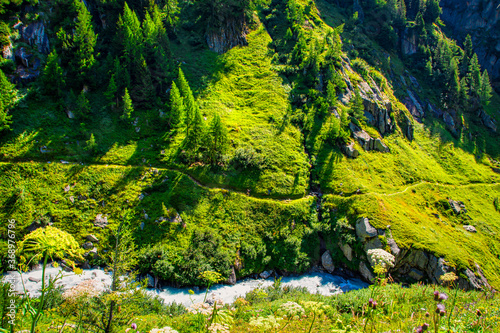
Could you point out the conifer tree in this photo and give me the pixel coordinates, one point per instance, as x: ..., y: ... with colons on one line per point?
x: 127, y: 106
x: 84, y: 40
x: 485, y: 89
x: 217, y: 141
x: 357, y: 107
x: 53, y: 78
x: 131, y: 33
x: 7, y: 100
x: 176, y: 107
x: 190, y: 106
x: 467, y: 55
x: 83, y: 105
x: 474, y: 75
x: 195, y: 135
x: 144, y: 91
x: 432, y: 11
x: 331, y: 94
x: 110, y: 93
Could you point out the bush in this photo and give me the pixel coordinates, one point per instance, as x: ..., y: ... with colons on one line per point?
x: 248, y: 157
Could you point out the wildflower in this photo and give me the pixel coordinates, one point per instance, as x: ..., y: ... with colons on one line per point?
x: 372, y: 303
x: 478, y: 313
x: 133, y: 326
x: 218, y: 328
x: 380, y: 257
x: 427, y: 314
x: 419, y: 329
x: 425, y: 326
x: 436, y: 295
x: 448, y: 278
x: 440, y: 309
x: 292, y: 309
x: 442, y: 297
x: 165, y: 329
x: 84, y: 290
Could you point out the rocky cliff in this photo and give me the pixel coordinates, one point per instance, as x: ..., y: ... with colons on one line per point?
x: 480, y: 19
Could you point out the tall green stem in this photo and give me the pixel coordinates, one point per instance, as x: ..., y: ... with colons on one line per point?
x: 42, y: 296
x: 452, y: 307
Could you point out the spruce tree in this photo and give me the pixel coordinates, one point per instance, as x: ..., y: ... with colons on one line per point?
x: 190, y: 106
x: 432, y: 11
x: 474, y: 76
x: 176, y: 107
x: 131, y: 33
x: 83, y: 105
x: 7, y: 100
x: 195, y: 136
x: 110, y: 93
x: 144, y: 91
x: 127, y: 106
x: 331, y: 94
x: 52, y: 77
x: 485, y: 89
x: 217, y: 140
x: 356, y: 106
x: 84, y: 40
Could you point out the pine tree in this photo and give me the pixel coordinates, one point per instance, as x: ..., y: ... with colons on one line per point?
x: 131, y: 34
x: 144, y: 91
x: 176, y: 107
x: 7, y: 100
x: 110, y: 93
x: 467, y: 55
x: 356, y: 106
x: 53, y: 78
x: 84, y: 40
x: 91, y: 146
x: 190, y: 106
x: 194, y: 137
x: 217, y: 140
x: 432, y: 11
x: 171, y: 10
x: 485, y: 89
x: 183, y: 84
x: 474, y: 76
x: 83, y: 105
x: 331, y: 94
x: 127, y: 106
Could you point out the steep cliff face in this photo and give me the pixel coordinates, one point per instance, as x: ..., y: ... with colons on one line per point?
x: 480, y: 19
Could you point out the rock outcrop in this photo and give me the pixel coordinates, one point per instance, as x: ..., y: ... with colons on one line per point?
x: 487, y: 120
x: 366, y: 141
x: 225, y: 38
x: 327, y: 261
x: 35, y: 35
x: 481, y: 20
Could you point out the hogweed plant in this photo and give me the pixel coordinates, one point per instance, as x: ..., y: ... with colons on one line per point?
x: 381, y: 261
x: 44, y: 244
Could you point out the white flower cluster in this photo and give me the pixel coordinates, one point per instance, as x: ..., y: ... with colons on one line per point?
x: 204, y: 308
x: 218, y: 328
x: 292, y: 309
x: 380, y: 257
x: 87, y: 289
x: 165, y: 329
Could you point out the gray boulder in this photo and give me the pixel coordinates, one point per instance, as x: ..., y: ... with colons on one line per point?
x: 470, y: 228
x: 88, y: 245
x: 232, y: 277
x: 380, y: 146
x: 327, y: 261
x: 365, y: 272
x: 416, y: 274
x: 347, y: 250
x: 350, y: 151
x: 364, y: 229
x: 92, y: 238
x: 101, y: 221
x: 266, y: 274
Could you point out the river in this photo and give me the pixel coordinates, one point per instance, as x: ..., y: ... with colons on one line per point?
x: 322, y: 283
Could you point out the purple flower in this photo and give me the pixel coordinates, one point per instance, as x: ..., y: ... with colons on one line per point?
x: 436, y: 295
x: 442, y: 297
x: 425, y: 326
x: 427, y: 314
x: 440, y: 309
x: 419, y: 329
x: 134, y: 326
